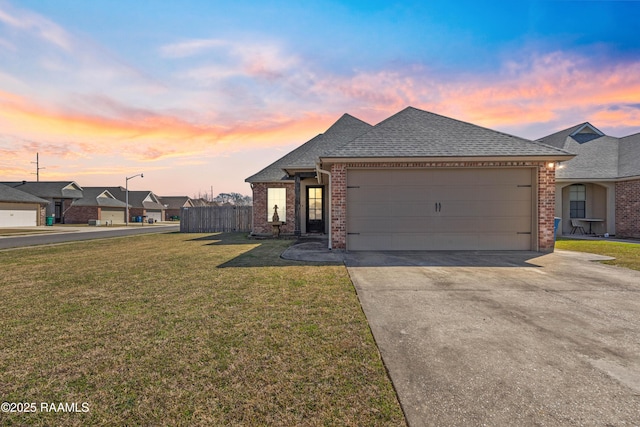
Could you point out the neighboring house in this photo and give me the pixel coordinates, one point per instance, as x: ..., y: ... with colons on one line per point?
x: 601, y: 183
x: 141, y: 203
x: 202, y: 202
x: 173, y: 204
x: 97, y: 204
x: 20, y: 209
x: 415, y: 181
x: 59, y: 194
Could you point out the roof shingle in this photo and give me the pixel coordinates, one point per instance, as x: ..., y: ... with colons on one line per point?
x: 306, y: 156
x: 417, y: 133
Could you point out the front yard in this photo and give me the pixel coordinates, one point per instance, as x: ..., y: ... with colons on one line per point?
x: 626, y: 254
x: 175, y: 329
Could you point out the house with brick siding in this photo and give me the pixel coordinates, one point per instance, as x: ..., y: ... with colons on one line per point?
x: 97, y: 204
x: 144, y: 204
x: 600, y: 187
x: 20, y: 209
x: 59, y: 194
x: 173, y: 204
x: 415, y: 181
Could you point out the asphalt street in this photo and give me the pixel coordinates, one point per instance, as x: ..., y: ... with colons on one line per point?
x: 77, y: 234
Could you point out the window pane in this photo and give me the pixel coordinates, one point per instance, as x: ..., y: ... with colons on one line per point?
x: 577, y: 193
x: 577, y: 209
x: 277, y: 197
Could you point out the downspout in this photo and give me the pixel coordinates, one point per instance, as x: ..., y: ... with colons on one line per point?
x: 318, y: 170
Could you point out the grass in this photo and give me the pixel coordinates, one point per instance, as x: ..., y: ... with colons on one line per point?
x: 179, y: 329
x: 626, y: 254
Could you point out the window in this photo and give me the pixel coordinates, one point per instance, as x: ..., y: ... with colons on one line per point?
x: 577, y: 201
x: 277, y: 197
x: 314, y: 196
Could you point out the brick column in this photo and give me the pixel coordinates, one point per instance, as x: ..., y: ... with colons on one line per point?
x: 628, y: 208
x: 546, y: 206
x: 339, y: 206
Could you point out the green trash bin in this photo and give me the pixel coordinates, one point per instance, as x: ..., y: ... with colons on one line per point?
x: 49, y: 220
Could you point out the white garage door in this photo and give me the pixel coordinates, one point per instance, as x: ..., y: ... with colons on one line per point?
x: 115, y: 216
x: 440, y: 209
x: 155, y: 215
x: 18, y: 217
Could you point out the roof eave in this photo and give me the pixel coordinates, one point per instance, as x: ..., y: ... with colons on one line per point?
x: 533, y: 158
x: 609, y: 179
x: 298, y: 169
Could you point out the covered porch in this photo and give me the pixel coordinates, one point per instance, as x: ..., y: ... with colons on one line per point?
x: 590, y: 204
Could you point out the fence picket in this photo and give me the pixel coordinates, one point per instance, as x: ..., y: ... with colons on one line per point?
x: 210, y: 219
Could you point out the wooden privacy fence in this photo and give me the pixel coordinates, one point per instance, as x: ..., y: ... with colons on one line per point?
x: 209, y: 219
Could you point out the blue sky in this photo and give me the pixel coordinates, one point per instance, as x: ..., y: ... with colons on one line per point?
x: 199, y: 93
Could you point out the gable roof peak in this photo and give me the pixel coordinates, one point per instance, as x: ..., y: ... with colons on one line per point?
x: 587, y: 127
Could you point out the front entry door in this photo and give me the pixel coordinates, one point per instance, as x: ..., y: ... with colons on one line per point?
x: 315, y: 210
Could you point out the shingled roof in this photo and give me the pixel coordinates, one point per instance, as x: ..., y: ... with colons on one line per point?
x: 598, y: 156
x: 12, y: 195
x: 137, y: 199
x: 306, y: 156
x: 98, y: 196
x: 417, y: 133
x: 175, y: 202
x: 48, y: 189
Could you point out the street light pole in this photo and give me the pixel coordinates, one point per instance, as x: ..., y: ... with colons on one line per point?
x: 126, y: 196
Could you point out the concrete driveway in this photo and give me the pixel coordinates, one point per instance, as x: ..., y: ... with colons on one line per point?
x: 505, y: 338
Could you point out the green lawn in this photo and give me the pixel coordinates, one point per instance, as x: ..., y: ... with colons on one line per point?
x: 626, y: 254
x: 181, y: 329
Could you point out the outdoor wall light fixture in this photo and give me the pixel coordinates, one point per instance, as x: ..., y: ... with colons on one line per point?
x: 126, y: 197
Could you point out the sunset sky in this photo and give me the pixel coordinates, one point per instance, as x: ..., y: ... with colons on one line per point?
x: 202, y: 94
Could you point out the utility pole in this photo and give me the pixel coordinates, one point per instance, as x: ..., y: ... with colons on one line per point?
x: 37, y: 163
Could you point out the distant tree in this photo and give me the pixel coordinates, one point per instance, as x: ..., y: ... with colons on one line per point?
x: 233, y: 199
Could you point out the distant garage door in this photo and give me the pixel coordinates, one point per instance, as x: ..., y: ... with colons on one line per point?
x: 15, y: 217
x: 155, y: 215
x: 115, y: 216
x: 440, y: 209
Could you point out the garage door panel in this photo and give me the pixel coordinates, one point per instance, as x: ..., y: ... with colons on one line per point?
x: 18, y: 217
x: 389, y: 193
x: 439, y: 241
x: 115, y: 216
x: 483, y: 208
x: 363, y: 242
x: 419, y: 224
x: 155, y: 215
x: 440, y: 209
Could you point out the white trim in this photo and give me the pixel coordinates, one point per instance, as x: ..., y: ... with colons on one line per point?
x: 587, y: 125
x: 322, y: 171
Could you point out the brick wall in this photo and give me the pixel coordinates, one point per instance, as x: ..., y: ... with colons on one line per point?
x: 546, y: 207
x: 168, y: 213
x: 628, y: 208
x: 66, y: 205
x: 260, y: 223
x: 136, y: 212
x: 81, y: 214
x: 339, y: 206
x: 546, y: 194
x: 42, y: 220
